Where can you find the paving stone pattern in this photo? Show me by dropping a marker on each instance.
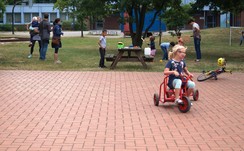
(107, 111)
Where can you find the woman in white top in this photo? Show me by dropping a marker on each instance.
(197, 39)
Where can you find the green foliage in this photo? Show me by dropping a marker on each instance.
(82, 10)
(137, 10)
(176, 17)
(44, 1)
(82, 54)
(2, 8)
(8, 27)
(233, 6)
(8, 2)
(5, 27)
(67, 25)
(20, 27)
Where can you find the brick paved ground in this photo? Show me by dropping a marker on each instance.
(95, 111)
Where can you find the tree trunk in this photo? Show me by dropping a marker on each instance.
(138, 19)
(82, 28)
(152, 22)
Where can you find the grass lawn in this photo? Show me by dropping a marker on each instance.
(81, 54)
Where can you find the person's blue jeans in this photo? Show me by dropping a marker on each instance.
(165, 52)
(44, 46)
(197, 44)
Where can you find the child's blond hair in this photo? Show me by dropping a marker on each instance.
(174, 50)
(34, 18)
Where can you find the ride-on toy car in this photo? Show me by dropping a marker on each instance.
(169, 94)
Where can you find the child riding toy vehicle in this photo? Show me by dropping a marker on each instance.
(169, 94)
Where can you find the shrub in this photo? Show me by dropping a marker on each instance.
(20, 27)
(8, 27)
(5, 27)
(67, 25)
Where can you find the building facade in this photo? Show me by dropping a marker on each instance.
(23, 13)
(209, 19)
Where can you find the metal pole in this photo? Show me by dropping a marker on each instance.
(13, 17)
(15, 3)
(230, 37)
(160, 29)
(73, 20)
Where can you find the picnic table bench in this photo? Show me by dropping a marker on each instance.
(128, 58)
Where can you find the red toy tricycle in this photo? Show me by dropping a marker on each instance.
(169, 96)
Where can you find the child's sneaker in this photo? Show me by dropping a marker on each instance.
(29, 56)
(178, 101)
(58, 62)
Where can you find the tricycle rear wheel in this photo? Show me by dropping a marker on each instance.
(195, 95)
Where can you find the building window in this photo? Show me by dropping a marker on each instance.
(99, 24)
(52, 17)
(8, 18)
(63, 16)
(27, 17)
(35, 14)
(17, 18)
(1, 19)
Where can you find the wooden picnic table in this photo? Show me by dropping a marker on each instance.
(128, 58)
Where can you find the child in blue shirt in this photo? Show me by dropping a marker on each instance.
(175, 67)
(152, 45)
(102, 48)
(34, 29)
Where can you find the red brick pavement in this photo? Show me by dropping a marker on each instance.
(94, 111)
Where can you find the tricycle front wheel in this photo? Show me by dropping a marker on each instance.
(186, 106)
(156, 99)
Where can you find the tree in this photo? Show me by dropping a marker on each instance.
(176, 17)
(45, 1)
(137, 10)
(2, 8)
(83, 9)
(233, 6)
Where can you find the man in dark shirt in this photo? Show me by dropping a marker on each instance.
(45, 29)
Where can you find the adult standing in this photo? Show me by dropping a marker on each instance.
(34, 35)
(57, 32)
(45, 29)
(197, 38)
(102, 48)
